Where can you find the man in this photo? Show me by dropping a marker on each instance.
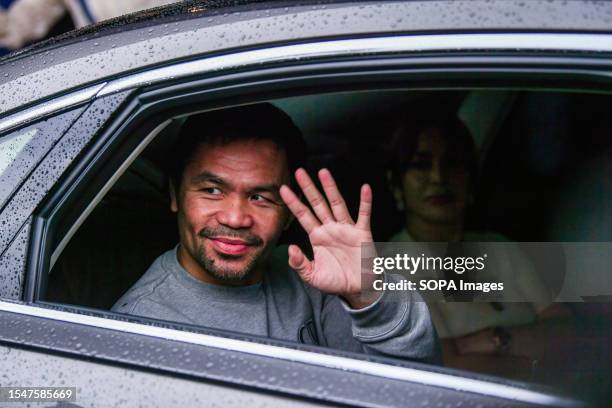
(230, 190)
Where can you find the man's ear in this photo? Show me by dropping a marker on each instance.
(173, 198)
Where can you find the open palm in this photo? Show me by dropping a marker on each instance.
(335, 238)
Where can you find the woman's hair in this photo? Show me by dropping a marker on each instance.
(405, 139)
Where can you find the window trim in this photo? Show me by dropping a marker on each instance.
(368, 46)
(53, 106)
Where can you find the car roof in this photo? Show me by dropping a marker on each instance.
(191, 29)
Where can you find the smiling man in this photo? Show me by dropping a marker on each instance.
(230, 189)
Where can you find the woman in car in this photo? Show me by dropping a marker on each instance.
(432, 175)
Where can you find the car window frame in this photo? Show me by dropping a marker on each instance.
(395, 77)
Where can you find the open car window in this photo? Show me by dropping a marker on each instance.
(130, 228)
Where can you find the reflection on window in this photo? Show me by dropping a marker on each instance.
(12, 146)
(21, 151)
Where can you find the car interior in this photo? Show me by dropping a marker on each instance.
(544, 176)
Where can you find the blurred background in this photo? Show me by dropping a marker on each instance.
(23, 22)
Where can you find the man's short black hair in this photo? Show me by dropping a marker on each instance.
(405, 139)
(262, 121)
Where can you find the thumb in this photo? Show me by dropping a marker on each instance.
(301, 264)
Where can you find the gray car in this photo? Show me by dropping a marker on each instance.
(87, 120)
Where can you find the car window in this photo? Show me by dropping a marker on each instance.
(420, 160)
(21, 150)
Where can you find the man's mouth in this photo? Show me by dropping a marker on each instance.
(230, 246)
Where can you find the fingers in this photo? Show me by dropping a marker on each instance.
(336, 201)
(314, 197)
(365, 208)
(303, 214)
(339, 211)
(301, 264)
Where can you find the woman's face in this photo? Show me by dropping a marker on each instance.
(435, 185)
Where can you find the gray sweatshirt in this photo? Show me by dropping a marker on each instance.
(283, 307)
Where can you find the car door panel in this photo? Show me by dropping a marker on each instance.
(103, 385)
(249, 364)
(20, 208)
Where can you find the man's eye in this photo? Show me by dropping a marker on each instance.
(257, 197)
(261, 199)
(212, 190)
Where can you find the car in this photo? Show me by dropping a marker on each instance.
(87, 121)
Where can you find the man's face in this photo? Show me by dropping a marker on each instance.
(435, 186)
(230, 213)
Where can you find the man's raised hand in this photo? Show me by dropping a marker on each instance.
(335, 238)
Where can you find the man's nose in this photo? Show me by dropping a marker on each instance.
(439, 172)
(235, 214)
